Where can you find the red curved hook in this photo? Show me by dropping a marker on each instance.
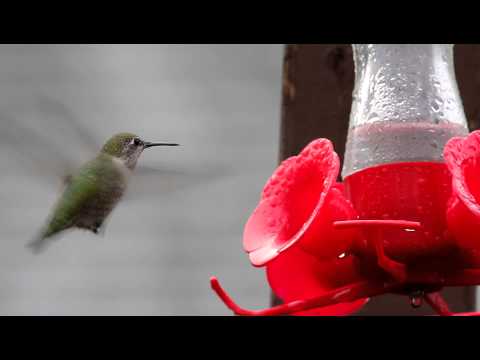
(362, 289)
(347, 293)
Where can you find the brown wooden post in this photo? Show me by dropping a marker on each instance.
(317, 96)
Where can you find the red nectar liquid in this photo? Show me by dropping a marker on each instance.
(405, 190)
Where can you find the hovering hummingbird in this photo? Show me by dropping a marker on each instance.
(92, 192)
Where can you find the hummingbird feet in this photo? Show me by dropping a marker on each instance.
(98, 228)
(95, 227)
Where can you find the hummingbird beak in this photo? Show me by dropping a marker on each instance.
(147, 144)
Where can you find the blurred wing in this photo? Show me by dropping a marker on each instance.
(26, 151)
(164, 180)
(43, 139)
(67, 123)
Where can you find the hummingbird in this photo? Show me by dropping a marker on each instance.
(91, 193)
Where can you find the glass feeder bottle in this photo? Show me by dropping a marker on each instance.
(405, 107)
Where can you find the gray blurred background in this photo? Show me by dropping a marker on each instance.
(183, 218)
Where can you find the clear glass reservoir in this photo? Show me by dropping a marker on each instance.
(406, 105)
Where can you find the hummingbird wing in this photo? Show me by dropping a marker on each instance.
(168, 179)
(44, 138)
(30, 151)
(80, 136)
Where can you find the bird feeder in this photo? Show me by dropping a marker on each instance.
(406, 217)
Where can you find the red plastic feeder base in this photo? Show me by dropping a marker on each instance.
(400, 228)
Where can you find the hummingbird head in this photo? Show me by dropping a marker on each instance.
(128, 147)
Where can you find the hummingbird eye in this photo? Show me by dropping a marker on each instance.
(137, 142)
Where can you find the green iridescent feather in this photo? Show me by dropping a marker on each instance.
(88, 198)
(115, 145)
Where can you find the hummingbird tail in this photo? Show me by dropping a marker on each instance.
(38, 245)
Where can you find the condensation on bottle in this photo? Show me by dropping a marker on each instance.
(406, 105)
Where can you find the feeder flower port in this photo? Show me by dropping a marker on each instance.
(406, 217)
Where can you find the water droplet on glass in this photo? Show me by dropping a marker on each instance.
(373, 117)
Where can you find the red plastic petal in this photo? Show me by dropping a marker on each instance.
(463, 214)
(298, 275)
(300, 201)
